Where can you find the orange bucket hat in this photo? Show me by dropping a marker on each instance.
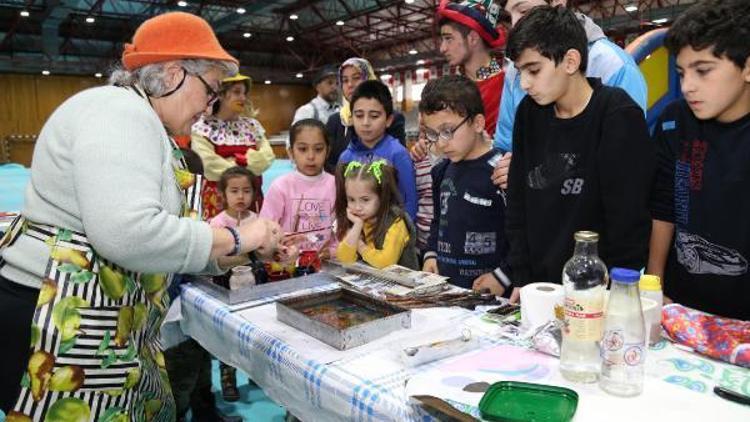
(172, 36)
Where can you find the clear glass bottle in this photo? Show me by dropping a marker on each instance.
(623, 346)
(585, 281)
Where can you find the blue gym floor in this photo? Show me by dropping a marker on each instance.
(253, 405)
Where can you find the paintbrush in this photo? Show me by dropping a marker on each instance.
(290, 234)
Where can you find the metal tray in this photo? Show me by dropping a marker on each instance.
(383, 318)
(262, 291)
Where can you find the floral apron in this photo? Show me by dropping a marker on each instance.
(95, 351)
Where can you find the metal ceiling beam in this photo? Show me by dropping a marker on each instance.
(230, 20)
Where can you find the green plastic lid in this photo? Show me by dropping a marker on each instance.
(511, 401)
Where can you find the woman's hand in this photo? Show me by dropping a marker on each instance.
(262, 236)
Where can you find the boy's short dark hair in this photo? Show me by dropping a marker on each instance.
(374, 90)
(551, 31)
(723, 25)
(452, 92)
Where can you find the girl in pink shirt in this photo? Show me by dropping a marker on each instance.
(303, 200)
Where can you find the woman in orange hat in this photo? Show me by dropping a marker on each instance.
(230, 136)
(106, 222)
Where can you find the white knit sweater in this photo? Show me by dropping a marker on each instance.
(102, 166)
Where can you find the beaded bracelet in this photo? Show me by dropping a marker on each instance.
(237, 242)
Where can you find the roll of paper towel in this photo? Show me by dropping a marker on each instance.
(538, 302)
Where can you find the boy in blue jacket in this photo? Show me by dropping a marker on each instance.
(372, 113)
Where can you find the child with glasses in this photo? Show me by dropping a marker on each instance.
(467, 235)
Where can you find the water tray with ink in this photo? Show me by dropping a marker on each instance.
(342, 318)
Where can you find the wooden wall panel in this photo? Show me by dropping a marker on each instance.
(26, 101)
(277, 104)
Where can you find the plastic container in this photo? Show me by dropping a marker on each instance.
(650, 286)
(623, 347)
(584, 280)
(512, 401)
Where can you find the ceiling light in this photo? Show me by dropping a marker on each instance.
(45, 72)
(267, 82)
(293, 17)
(660, 21)
(420, 62)
(90, 19)
(290, 38)
(299, 76)
(97, 75)
(247, 35)
(24, 13)
(408, 1)
(241, 10)
(413, 52)
(631, 8)
(339, 23)
(182, 3)
(385, 76)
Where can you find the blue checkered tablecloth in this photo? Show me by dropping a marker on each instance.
(365, 388)
(313, 390)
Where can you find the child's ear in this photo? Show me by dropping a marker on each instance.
(746, 70)
(389, 120)
(478, 123)
(572, 61)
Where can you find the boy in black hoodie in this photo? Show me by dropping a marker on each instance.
(582, 156)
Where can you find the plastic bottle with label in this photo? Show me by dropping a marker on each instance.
(623, 347)
(650, 286)
(584, 280)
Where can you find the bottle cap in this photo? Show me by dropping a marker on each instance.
(650, 282)
(624, 275)
(586, 236)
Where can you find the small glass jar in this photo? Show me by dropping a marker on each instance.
(242, 276)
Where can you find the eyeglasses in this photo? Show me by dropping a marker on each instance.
(210, 91)
(444, 135)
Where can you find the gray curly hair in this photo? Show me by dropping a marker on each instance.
(151, 77)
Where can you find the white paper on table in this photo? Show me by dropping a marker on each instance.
(659, 400)
(431, 324)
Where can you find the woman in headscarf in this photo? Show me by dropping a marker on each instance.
(353, 72)
(231, 136)
(106, 221)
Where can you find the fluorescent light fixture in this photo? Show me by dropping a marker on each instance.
(90, 19)
(660, 21)
(631, 8)
(299, 76)
(267, 82)
(247, 35)
(45, 72)
(241, 10)
(413, 52)
(293, 17)
(339, 23)
(408, 1)
(290, 38)
(97, 75)
(420, 62)
(24, 13)
(182, 3)
(385, 76)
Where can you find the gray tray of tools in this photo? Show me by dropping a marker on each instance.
(262, 291)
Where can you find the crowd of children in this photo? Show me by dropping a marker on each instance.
(572, 112)
(570, 105)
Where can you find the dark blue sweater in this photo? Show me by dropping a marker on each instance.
(467, 235)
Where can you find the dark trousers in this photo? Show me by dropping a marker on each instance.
(17, 306)
(189, 370)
